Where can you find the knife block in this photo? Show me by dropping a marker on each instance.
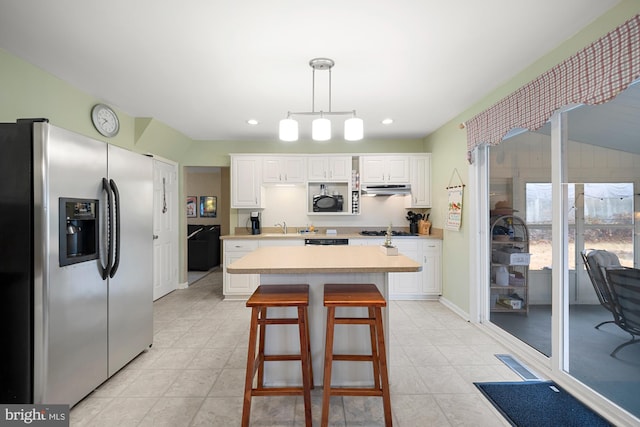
(424, 227)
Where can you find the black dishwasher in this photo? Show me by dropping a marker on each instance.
(326, 242)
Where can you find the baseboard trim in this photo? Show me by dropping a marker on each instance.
(455, 309)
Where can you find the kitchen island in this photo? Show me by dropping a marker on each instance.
(317, 265)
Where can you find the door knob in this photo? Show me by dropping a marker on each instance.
(155, 237)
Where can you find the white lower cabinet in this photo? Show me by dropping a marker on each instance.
(281, 242)
(425, 284)
(241, 286)
(365, 241)
(407, 285)
(238, 286)
(432, 267)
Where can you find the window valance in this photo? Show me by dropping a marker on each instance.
(594, 75)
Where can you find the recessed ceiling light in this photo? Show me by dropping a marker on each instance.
(387, 121)
(252, 122)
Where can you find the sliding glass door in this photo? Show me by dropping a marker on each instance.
(519, 173)
(603, 156)
(574, 183)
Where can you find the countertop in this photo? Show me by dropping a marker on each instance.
(436, 234)
(321, 259)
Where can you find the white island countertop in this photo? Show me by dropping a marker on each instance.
(321, 259)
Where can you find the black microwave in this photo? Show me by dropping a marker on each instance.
(327, 203)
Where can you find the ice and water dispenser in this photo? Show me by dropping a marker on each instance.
(78, 230)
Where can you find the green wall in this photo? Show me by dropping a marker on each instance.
(448, 145)
(28, 92)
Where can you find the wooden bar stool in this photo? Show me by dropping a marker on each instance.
(356, 295)
(268, 296)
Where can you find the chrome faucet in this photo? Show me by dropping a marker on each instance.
(282, 226)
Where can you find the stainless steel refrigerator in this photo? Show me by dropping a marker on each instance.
(76, 261)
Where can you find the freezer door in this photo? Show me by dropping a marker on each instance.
(131, 287)
(70, 343)
(16, 275)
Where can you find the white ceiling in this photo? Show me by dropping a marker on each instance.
(204, 67)
(614, 124)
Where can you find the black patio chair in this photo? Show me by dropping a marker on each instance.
(595, 262)
(625, 293)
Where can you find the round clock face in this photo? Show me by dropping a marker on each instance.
(105, 120)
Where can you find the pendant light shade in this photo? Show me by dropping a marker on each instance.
(321, 129)
(353, 129)
(288, 130)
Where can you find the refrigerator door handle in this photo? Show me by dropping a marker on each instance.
(116, 205)
(105, 270)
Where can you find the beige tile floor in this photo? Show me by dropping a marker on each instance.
(193, 375)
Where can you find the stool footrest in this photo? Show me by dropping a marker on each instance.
(353, 357)
(281, 357)
(354, 391)
(279, 321)
(354, 321)
(277, 391)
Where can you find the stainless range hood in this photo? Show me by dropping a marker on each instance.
(386, 190)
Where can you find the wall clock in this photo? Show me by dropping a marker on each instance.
(105, 120)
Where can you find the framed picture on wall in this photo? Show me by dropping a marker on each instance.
(208, 206)
(192, 207)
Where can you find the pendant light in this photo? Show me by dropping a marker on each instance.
(353, 128)
(321, 127)
(288, 129)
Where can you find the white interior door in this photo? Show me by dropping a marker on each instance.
(165, 227)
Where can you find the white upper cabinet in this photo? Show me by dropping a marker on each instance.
(420, 182)
(246, 182)
(384, 169)
(329, 168)
(252, 174)
(284, 169)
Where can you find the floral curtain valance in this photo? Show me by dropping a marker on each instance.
(594, 75)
